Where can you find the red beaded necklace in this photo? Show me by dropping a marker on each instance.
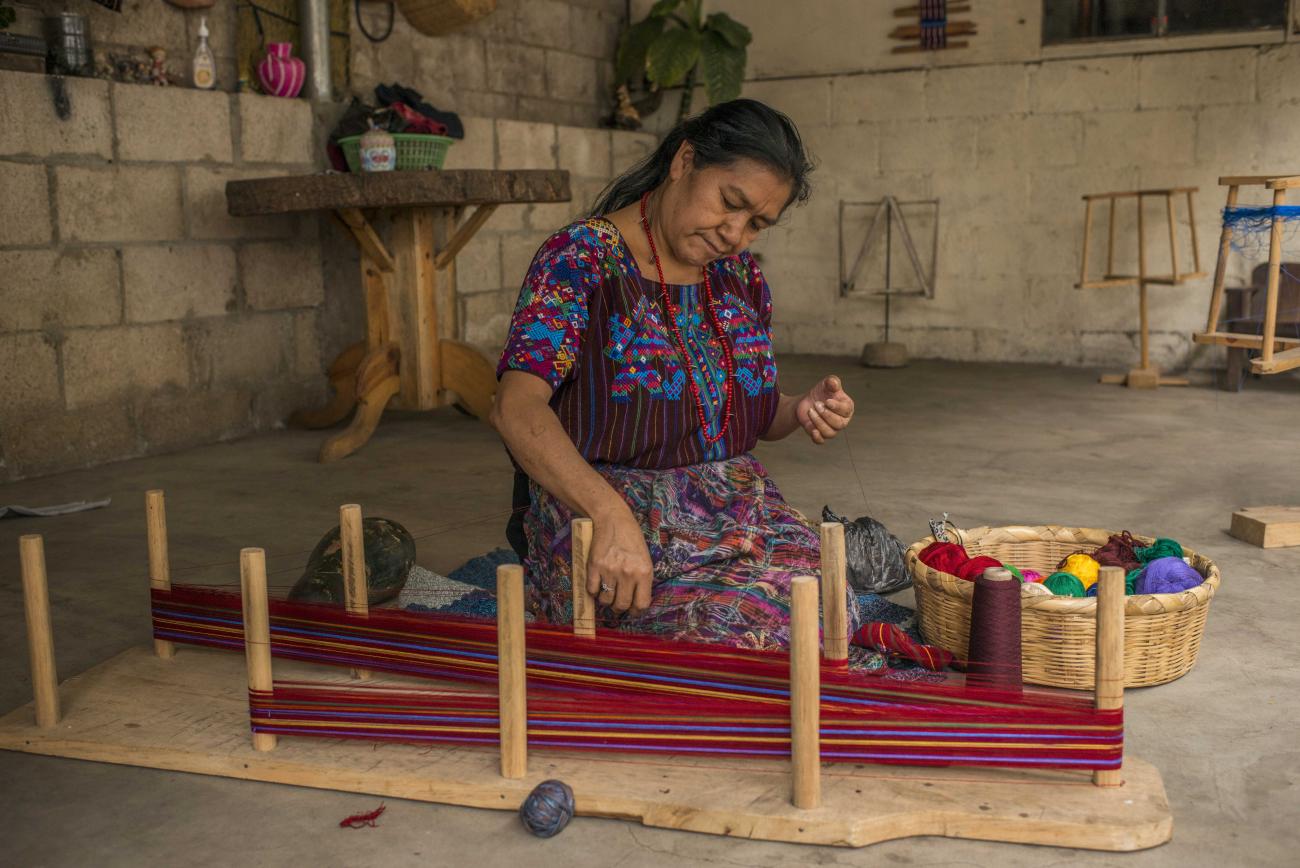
(670, 313)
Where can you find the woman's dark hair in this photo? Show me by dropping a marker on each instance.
(720, 135)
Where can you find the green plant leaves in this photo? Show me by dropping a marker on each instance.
(672, 56)
(736, 34)
(631, 62)
(723, 65)
(663, 8)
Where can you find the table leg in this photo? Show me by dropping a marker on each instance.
(470, 376)
(463, 369)
(343, 379)
(376, 383)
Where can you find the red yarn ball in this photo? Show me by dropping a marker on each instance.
(975, 567)
(945, 557)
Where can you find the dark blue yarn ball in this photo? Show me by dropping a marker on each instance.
(548, 808)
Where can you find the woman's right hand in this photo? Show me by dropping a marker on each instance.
(619, 570)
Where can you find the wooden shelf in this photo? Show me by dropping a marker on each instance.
(1128, 194)
(1272, 182)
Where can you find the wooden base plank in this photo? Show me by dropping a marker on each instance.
(1242, 340)
(1268, 527)
(1142, 378)
(1284, 361)
(190, 714)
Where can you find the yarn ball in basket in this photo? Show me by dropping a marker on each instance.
(1033, 576)
(1118, 552)
(1168, 575)
(975, 567)
(1064, 584)
(1014, 571)
(1161, 548)
(1083, 567)
(945, 557)
(548, 808)
(1034, 589)
(1130, 581)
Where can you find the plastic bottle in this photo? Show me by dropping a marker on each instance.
(205, 68)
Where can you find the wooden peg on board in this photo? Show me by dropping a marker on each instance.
(155, 511)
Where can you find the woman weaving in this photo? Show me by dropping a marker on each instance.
(638, 375)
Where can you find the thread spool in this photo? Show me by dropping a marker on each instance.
(993, 661)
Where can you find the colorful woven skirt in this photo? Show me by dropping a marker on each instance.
(724, 543)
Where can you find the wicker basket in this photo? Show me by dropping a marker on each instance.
(415, 151)
(1162, 632)
(440, 17)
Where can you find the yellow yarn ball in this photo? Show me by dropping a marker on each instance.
(1083, 566)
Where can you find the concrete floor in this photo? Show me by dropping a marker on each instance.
(988, 444)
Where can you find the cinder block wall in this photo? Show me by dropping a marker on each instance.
(535, 60)
(1008, 136)
(143, 24)
(135, 315)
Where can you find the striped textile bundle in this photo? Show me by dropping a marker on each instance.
(723, 729)
(658, 688)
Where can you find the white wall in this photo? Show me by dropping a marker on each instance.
(1008, 136)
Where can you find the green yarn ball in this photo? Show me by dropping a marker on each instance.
(1015, 572)
(1161, 548)
(1064, 585)
(1130, 580)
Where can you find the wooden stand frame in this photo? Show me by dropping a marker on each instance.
(805, 800)
(1276, 354)
(1144, 376)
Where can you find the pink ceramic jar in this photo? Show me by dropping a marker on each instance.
(280, 72)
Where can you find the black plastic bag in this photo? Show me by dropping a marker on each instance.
(873, 555)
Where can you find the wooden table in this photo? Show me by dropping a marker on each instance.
(411, 355)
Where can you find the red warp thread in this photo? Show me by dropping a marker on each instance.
(659, 692)
(360, 821)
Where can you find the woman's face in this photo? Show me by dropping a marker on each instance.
(718, 211)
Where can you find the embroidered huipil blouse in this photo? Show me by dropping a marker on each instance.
(592, 326)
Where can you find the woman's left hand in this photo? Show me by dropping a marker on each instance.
(825, 410)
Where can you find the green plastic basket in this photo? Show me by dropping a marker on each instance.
(415, 151)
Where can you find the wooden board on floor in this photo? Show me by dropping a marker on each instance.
(1268, 527)
(190, 714)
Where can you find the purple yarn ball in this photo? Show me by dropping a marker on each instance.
(1167, 576)
(548, 808)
